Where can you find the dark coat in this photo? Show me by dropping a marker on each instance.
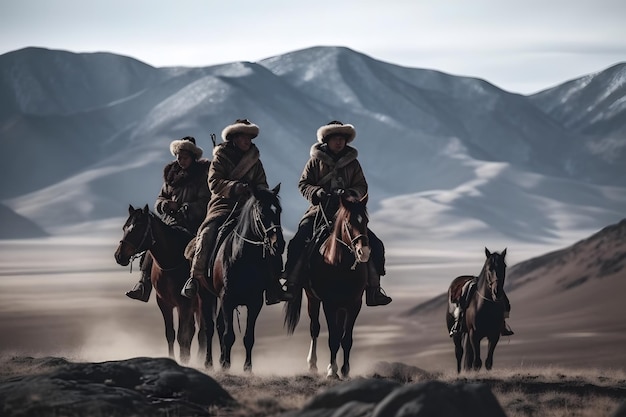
(189, 188)
(229, 167)
(322, 171)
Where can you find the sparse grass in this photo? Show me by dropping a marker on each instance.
(529, 392)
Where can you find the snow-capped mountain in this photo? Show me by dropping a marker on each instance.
(444, 156)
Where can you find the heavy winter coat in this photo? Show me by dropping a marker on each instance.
(324, 171)
(189, 188)
(229, 167)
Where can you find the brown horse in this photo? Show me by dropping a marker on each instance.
(244, 265)
(481, 299)
(144, 231)
(336, 278)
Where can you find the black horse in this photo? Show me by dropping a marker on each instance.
(244, 265)
(337, 277)
(144, 231)
(484, 309)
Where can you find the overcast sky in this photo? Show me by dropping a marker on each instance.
(521, 46)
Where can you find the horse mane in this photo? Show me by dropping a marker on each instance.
(246, 225)
(179, 233)
(332, 250)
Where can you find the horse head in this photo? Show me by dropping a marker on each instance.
(350, 231)
(259, 222)
(137, 235)
(495, 273)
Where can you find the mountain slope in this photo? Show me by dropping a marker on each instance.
(475, 154)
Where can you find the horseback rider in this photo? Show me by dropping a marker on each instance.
(236, 170)
(333, 169)
(181, 202)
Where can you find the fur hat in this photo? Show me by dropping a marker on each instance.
(336, 128)
(188, 143)
(240, 126)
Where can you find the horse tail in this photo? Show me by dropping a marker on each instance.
(292, 312)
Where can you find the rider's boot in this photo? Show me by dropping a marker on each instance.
(506, 329)
(199, 265)
(142, 289)
(274, 292)
(374, 294)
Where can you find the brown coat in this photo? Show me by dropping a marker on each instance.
(187, 187)
(322, 171)
(229, 167)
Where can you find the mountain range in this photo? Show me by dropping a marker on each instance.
(445, 156)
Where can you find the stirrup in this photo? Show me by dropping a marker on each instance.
(506, 330)
(376, 297)
(190, 289)
(139, 292)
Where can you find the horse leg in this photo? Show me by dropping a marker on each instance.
(248, 338)
(458, 350)
(168, 319)
(228, 339)
(346, 341)
(221, 328)
(186, 330)
(334, 340)
(207, 307)
(202, 343)
(314, 330)
(477, 363)
(469, 352)
(493, 341)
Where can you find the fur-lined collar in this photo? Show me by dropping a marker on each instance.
(318, 152)
(175, 176)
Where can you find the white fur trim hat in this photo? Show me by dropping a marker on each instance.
(336, 128)
(240, 126)
(188, 143)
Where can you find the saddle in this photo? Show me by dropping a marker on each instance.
(462, 290)
(223, 231)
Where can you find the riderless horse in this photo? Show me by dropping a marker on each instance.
(144, 231)
(481, 299)
(336, 279)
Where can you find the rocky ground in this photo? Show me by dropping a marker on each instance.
(160, 387)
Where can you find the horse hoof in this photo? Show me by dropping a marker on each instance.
(332, 375)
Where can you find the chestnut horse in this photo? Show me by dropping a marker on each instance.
(336, 279)
(144, 231)
(244, 265)
(484, 306)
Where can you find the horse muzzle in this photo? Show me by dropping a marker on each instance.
(121, 257)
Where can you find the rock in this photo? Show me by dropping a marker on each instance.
(133, 387)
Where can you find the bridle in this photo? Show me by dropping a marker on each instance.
(263, 232)
(490, 283)
(147, 235)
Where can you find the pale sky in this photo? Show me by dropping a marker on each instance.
(520, 46)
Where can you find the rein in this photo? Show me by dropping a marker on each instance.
(262, 231)
(139, 250)
(490, 282)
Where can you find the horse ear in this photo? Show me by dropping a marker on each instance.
(146, 209)
(130, 209)
(276, 189)
(504, 253)
(487, 253)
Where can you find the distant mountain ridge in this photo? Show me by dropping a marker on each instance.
(92, 131)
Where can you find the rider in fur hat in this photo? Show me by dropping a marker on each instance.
(182, 201)
(235, 170)
(333, 169)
